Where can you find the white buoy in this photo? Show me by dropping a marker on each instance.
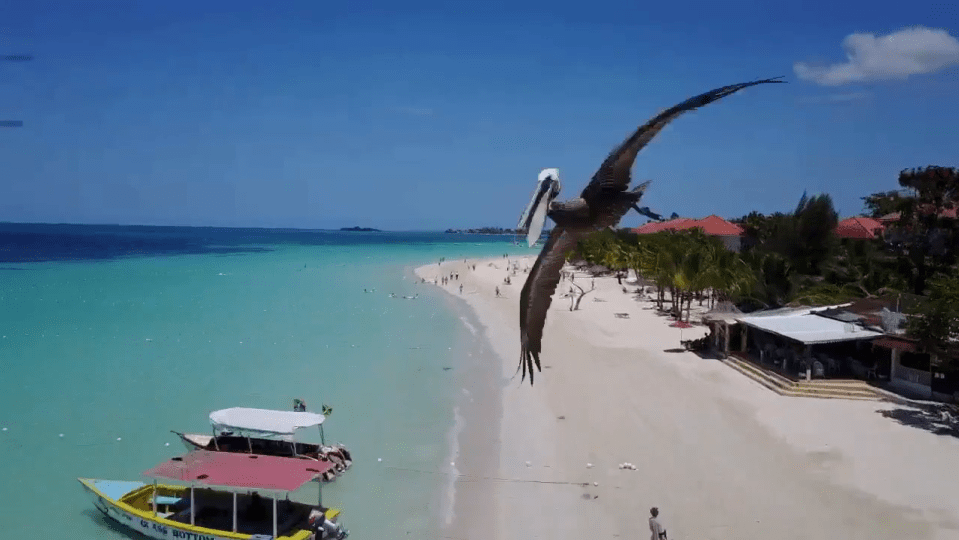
(119, 438)
(452, 464)
(379, 459)
(166, 444)
(61, 434)
(4, 429)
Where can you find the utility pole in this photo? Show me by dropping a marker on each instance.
(14, 58)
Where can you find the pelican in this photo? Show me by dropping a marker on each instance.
(603, 202)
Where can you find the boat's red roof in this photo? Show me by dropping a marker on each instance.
(225, 469)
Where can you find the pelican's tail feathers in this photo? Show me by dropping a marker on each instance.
(526, 360)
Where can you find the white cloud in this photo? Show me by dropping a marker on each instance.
(912, 51)
(834, 98)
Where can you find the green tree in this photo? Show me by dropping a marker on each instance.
(814, 240)
(925, 236)
(935, 319)
(883, 203)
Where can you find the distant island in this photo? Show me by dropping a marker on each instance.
(360, 229)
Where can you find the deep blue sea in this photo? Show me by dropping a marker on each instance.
(111, 336)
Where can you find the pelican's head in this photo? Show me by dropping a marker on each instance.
(534, 217)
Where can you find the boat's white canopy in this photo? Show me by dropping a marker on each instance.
(263, 422)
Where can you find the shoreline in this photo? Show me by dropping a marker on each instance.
(720, 455)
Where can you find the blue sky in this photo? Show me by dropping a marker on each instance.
(428, 115)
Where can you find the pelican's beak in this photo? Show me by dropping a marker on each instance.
(534, 217)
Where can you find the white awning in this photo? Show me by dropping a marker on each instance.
(809, 328)
(263, 422)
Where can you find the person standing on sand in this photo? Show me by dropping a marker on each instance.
(657, 532)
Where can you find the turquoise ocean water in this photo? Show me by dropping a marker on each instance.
(114, 336)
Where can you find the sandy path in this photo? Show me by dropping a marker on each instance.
(721, 456)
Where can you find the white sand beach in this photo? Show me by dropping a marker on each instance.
(721, 456)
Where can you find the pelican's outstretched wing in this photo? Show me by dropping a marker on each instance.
(614, 174)
(537, 295)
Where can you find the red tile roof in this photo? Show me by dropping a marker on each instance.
(711, 225)
(946, 213)
(858, 227)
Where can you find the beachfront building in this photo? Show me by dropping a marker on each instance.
(802, 341)
(916, 373)
(730, 233)
(864, 339)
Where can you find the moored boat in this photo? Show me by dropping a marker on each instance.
(269, 433)
(221, 500)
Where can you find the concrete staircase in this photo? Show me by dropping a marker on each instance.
(827, 389)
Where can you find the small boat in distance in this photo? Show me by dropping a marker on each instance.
(221, 500)
(267, 432)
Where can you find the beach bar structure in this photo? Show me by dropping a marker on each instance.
(803, 327)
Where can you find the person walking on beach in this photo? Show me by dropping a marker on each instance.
(657, 532)
(461, 288)
(497, 292)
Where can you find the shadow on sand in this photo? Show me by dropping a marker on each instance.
(941, 420)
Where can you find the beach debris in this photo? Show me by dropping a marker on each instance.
(595, 483)
(447, 368)
(452, 463)
(628, 466)
(529, 464)
(561, 418)
(589, 465)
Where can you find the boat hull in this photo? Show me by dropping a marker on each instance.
(154, 526)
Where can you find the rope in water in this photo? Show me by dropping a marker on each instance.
(475, 478)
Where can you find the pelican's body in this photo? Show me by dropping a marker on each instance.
(602, 204)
